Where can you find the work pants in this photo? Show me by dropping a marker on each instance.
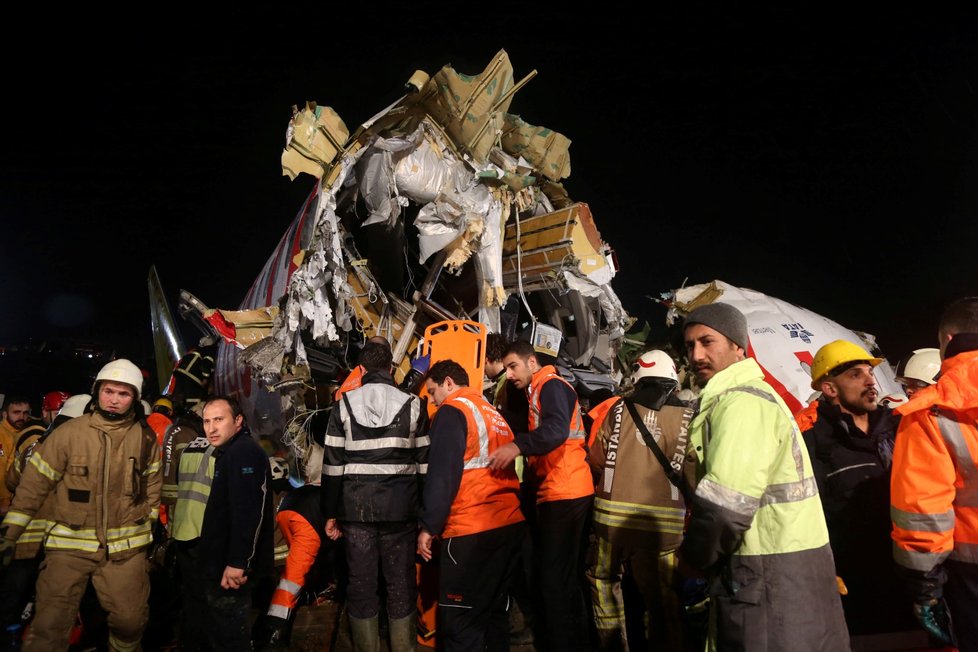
(228, 613)
(961, 592)
(194, 623)
(473, 583)
(391, 546)
(559, 570)
(122, 587)
(16, 586)
(653, 574)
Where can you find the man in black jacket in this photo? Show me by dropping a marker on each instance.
(236, 538)
(375, 457)
(851, 447)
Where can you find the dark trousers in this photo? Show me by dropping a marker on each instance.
(16, 587)
(192, 633)
(559, 569)
(961, 592)
(391, 547)
(228, 613)
(473, 583)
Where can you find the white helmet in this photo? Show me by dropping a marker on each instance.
(75, 405)
(922, 365)
(280, 468)
(654, 364)
(121, 371)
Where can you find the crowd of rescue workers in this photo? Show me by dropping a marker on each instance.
(514, 512)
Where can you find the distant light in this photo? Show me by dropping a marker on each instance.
(89, 355)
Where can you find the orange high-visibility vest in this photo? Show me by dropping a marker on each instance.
(563, 473)
(597, 414)
(486, 499)
(934, 487)
(352, 381)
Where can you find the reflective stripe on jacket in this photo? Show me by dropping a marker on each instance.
(105, 478)
(757, 525)
(486, 499)
(195, 474)
(635, 504)
(563, 473)
(934, 484)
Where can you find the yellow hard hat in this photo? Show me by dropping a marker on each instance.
(838, 352)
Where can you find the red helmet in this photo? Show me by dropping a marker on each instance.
(54, 400)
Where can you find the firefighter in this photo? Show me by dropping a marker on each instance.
(104, 470)
(933, 506)
(918, 370)
(17, 580)
(639, 504)
(474, 511)
(51, 405)
(756, 528)
(558, 472)
(16, 417)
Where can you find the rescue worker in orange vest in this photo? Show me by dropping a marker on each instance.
(475, 511)
(161, 418)
(300, 520)
(601, 402)
(558, 470)
(355, 378)
(104, 470)
(934, 486)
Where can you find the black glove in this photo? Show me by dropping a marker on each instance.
(7, 547)
(934, 618)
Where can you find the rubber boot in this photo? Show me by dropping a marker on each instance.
(365, 633)
(403, 634)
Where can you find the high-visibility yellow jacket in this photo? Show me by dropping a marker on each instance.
(757, 525)
(105, 477)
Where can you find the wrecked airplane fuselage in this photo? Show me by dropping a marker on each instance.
(442, 206)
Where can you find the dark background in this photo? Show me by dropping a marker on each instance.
(823, 155)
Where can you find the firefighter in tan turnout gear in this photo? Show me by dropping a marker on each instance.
(640, 462)
(103, 469)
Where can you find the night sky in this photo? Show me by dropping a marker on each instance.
(825, 158)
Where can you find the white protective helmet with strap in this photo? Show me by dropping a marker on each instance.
(654, 364)
(922, 365)
(120, 371)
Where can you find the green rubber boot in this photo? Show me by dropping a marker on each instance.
(404, 635)
(365, 633)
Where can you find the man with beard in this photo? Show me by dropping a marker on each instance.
(553, 442)
(757, 529)
(103, 469)
(851, 447)
(16, 414)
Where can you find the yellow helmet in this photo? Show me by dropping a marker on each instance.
(838, 352)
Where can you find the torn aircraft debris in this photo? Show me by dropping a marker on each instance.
(442, 206)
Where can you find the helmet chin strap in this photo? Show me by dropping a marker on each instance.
(113, 416)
